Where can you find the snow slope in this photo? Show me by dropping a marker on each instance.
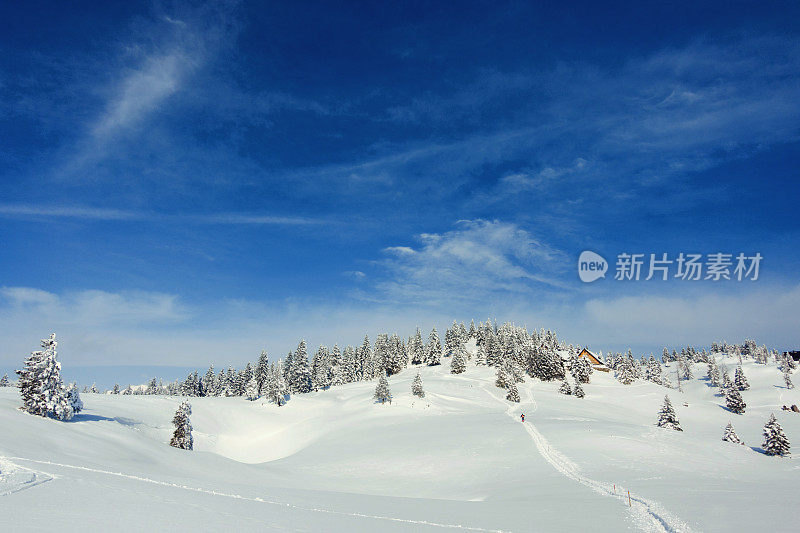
(459, 459)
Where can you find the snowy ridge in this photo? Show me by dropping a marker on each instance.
(648, 515)
(229, 495)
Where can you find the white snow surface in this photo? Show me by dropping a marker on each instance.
(459, 459)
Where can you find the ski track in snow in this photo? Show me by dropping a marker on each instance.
(14, 478)
(235, 496)
(647, 514)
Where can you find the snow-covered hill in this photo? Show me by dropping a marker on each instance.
(460, 458)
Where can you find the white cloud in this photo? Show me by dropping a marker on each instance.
(479, 259)
(766, 315)
(99, 213)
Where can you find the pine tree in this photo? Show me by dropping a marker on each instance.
(382, 392)
(40, 384)
(210, 382)
(458, 363)
(775, 441)
(416, 348)
(578, 390)
(182, 437)
(713, 373)
(730, 435)
(653, 371)
(740, 381)
(513, 393)
(74, 398)
(565, 388)
(734, 401)
(433, 351)
(275, 386)
(667, 417)
(787, 379)
(262, 371)
(504, 378)
(4, 381)
(581, 370)
(416, 387)
(300, 372)
(626, 373)
(251, 391)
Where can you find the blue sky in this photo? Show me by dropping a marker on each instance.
(186, 183)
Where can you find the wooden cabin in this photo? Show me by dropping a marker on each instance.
(597, 364)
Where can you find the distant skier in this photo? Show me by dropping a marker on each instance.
(522, 416)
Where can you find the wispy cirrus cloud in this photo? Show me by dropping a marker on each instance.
(479, 260)
(99, 213)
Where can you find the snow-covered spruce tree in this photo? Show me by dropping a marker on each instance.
(565, 388)
(787, 379)
(654, 371)
(182, 437)
(300, 372)
(775, 441)
(74, 398)
(713, 373)
(458, 362)
(40, 384)
(578, 390)
(734, 401)
(513, 394)
(726, 381)
(504, 378)
(433, 351)
(685, 369)
(416, 387)
(480, 356)
(582, 370)
(740, 381)
(416, 348)
(251, 391)
(4, 381)
(667, 417)
(349, 365)
(626, 373)
(115, 390)
(382, 392)
(261, 372)
(730, 435)
(275, 386)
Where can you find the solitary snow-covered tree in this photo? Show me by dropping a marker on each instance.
(382, 392)
(775, 441)
(734, 401)
(416, 387)
(40, 384)
(787, 379)
(730, 435)
(667, 417)
(182, 437)
(578, 390)
(4, 381)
